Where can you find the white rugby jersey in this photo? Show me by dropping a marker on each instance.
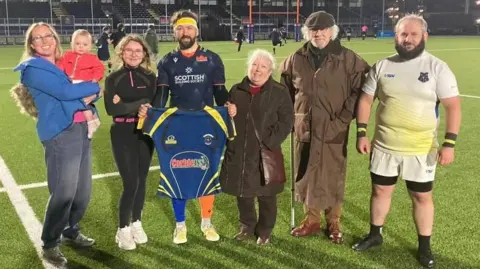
(407, 116)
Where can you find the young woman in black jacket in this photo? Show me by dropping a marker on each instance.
(126, 89)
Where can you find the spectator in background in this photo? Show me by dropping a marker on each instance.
(102, 47)
(364, 31)
(240, 38)
(275, 37)
(348, 31)
(151, 38)
(117, 36)
(47, 94)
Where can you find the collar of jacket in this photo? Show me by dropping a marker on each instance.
(333, 48)
(245, 85)
(39, 62)
(138, 68)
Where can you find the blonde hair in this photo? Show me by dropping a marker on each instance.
(19, 92)
(80, 32)
(146, 63)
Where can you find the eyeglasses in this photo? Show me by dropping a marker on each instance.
(131, 52)
(39, 39)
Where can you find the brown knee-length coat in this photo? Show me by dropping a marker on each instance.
(272, 113)
(324, 106)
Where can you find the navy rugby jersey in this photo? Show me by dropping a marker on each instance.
(190, 81)
(190, 147)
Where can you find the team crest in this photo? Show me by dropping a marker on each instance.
(423, 77)
(208, 139)
(171, 140)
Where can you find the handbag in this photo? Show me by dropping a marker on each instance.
(272, 163)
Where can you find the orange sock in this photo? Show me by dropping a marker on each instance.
(206, 205)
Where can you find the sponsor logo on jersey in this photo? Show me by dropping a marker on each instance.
(201, 58)
(187, 79)
(201, 163)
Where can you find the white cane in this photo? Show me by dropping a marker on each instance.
(292, 182)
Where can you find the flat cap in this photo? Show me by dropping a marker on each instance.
(320, 20)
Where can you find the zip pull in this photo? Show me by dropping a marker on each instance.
(131, 78)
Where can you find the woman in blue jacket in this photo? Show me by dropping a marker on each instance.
(47, 94)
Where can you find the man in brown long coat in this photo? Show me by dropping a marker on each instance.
(325, 80)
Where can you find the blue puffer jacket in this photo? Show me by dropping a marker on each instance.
(55, 97)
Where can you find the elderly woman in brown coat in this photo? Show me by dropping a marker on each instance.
(265, 105)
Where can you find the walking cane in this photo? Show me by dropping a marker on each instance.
(292, 182)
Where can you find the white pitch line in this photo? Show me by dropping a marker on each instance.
(24, 211)
(98, 176)
(470, 96)
(360, 53)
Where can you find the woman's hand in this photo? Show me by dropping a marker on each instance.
(142, 111)
(87, 100)
(232, 109)
(116, 99)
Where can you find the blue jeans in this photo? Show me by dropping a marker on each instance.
(69, 171)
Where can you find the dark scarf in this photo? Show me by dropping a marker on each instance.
(317, 56)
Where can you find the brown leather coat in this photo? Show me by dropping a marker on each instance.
(324, 106)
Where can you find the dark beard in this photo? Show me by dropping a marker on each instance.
(408, 55)
(186, 45)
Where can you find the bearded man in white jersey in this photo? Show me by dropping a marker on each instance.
(410, 86)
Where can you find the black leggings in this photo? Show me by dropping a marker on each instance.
(132, 151)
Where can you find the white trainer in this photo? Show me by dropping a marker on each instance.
(139, 235)
(180, 235)
(124, 238)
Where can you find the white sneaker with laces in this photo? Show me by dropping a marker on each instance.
(210, 233)
(180, 235)
(139, 235)
(124, 238)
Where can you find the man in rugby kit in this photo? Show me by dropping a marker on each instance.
(192, 76)
(410, 86)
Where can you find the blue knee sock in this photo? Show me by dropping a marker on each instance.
(179, 209)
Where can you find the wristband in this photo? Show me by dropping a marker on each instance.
(361, 130)
(450, 139)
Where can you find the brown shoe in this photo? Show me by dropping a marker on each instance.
(262, 241)
(307, 228)
(334, 233)
(243, 236)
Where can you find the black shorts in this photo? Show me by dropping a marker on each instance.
(276, 42)
(103, 55)
(411, 185)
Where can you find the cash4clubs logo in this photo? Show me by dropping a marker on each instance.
(190, 159)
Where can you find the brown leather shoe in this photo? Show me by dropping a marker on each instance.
(333, 232)
(262, 241)
(307, 228)
(242, 236)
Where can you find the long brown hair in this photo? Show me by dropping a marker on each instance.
(19, 92)
(146, 62)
